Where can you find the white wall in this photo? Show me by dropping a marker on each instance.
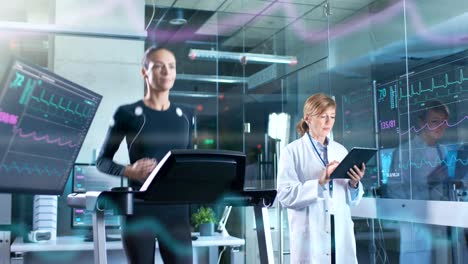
(108, 66)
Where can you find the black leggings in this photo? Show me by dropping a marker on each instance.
(169, 224)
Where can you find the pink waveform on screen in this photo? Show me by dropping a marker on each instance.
(426, 126)
(46, 138)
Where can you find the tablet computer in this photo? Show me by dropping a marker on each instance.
(355, 157)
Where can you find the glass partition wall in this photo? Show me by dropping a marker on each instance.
(397, 70)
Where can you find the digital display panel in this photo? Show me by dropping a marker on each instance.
(44, 120)
(86, 177)
(421, 119)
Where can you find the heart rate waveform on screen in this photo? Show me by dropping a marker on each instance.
(67, 107)
(420, 163)
(44, 120)
(32, 169)
(38, 172)
(401, 101)
(59, 141)
(426, 126)
(447, 82)
(449, 86)
(48, 104)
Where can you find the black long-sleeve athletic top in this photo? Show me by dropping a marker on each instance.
(148, 133)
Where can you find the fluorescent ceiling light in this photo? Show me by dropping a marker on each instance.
(193, 94)
(242, 57)
(210, 78)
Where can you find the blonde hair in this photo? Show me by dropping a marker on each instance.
(314, 105)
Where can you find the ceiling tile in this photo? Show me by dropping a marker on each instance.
(307, 31)
(245, 6)
(309, 24)
(224, 23)
(271, 22)
(337, 15)
(305, 2)
(258, 33)
(351, 4)
(233, 42)
(214, 29)
(207, 5)
(251, 36)
(240, 42)
(225, 18)
(287, 10)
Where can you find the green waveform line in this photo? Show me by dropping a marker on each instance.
(46, 114)
(433, 86)
(50, 102)
(436, 162)
(30, 169)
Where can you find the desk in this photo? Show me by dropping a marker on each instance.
(76, 244)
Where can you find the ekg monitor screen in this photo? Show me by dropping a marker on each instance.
(44, 120)
(86, 177)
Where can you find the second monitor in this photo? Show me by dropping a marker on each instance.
(86, 177)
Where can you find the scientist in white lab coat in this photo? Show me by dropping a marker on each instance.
(305, 189)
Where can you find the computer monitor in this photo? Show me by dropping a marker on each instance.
(86, 177)
(44, 120)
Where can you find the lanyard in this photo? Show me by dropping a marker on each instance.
(330, 185)
(316, 151)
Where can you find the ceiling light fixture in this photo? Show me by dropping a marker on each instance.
(210, 78)
(179, 19)
(193, 94)
(244, 58)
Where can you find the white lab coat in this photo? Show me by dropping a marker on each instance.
(309, 205)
